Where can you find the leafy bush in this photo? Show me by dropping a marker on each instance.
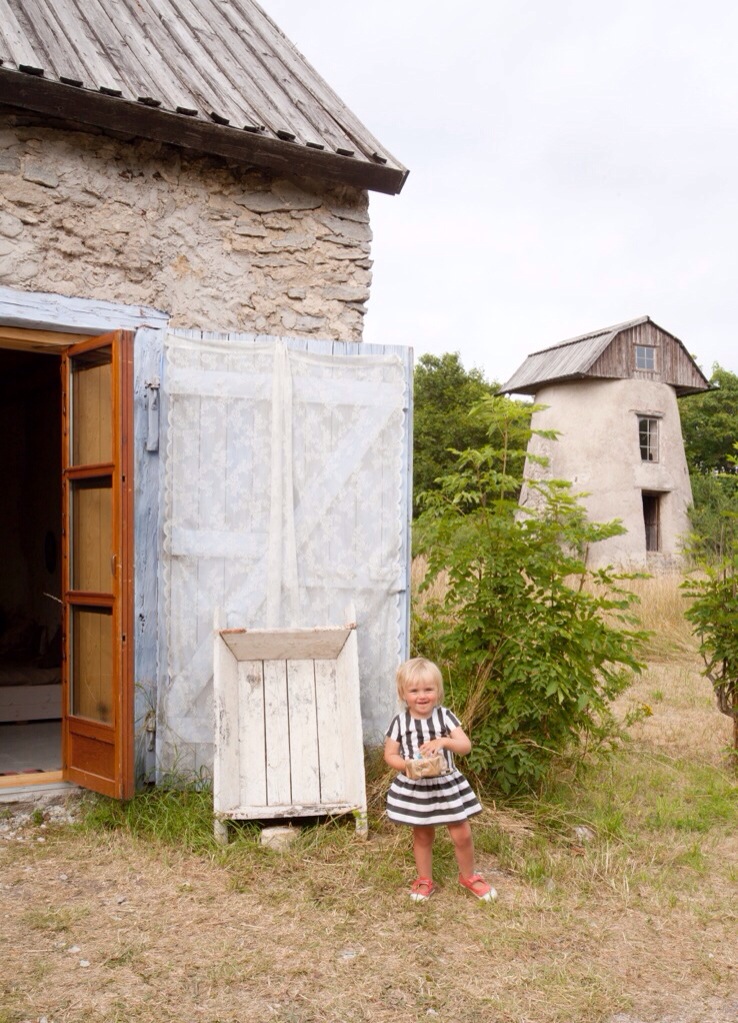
(714, 527)
(534, 645)
(713, 612)
(710, 428)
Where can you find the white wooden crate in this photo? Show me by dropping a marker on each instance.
(288, 737)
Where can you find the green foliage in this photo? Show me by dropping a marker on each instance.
(713, 594)
(534, 645)
(713, 524)
(713, 612)
(710, 428)
(710, 425)
(444, 393)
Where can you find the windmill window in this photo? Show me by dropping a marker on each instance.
(648, 438)
(646, 358)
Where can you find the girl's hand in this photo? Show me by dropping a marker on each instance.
(432, 746)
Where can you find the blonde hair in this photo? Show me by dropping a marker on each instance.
(415, 669)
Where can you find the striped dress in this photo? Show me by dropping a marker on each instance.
(446, 799)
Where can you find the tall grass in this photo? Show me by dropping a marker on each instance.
(181, 817)
(661, 607)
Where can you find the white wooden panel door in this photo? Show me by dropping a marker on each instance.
(286, 493)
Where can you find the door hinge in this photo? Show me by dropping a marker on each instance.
(152, 414)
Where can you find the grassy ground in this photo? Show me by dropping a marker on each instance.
(617, 902)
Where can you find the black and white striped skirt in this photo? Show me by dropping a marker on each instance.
(443, 800)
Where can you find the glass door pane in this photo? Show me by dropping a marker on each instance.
(92, 407)
(91, 667)
(92, 535)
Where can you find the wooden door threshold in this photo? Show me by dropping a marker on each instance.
(23, 779)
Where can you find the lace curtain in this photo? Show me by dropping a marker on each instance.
(284, 505)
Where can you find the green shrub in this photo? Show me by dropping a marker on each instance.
(534, 645)
(712, 520)
(713, 612)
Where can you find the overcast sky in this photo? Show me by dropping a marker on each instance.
(573, 164)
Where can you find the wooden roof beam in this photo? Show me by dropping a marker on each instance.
(70, 102)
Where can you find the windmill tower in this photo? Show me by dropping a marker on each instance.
(612, 396)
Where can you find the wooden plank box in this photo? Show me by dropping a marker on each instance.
(288, 737)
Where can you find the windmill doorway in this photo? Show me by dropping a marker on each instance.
(652, 520)
(30, 580)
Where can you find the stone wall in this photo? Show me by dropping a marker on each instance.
(217, 246)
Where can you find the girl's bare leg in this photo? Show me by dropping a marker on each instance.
(461, 836)
(423, 836)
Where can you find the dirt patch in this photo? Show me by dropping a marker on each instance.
(107, 927)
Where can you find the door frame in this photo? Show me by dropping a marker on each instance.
(60, 320)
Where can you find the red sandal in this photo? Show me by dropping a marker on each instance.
(478, 887)
(421, 889)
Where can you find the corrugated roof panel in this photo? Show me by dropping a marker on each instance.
(222, 61)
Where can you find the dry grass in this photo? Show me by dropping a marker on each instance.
(631, 921)
(436, 591)
(143, 932)
(681, 719)
(661, 606)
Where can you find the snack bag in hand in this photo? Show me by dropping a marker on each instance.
(426, 767)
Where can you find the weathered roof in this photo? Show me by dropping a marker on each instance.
(575, 358)
(213, 75)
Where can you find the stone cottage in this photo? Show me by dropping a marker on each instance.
(612, 396)
(191, 426)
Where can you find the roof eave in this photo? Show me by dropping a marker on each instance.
(533, 387)
(685, 391)
(506, 389)
(86, 106)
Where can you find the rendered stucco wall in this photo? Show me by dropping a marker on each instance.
(216, 246)
(598, 452)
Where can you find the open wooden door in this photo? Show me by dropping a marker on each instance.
(97, 551)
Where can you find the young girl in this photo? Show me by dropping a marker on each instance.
(428, 728)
